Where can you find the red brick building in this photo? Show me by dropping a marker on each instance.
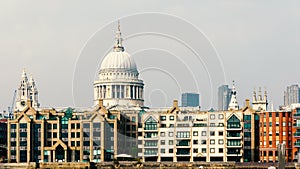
(275, 127)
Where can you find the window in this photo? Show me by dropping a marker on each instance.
(221, 141)
(277, 114)
(171, 142)
(183, 134)
(220, 133)
(163, 125)
(171, 125)
(171, 150)
(133, 119)
(270, 114)
(171, 118)
(203, 150)
(270, 143)
(212, 150)
(212, 116)
(203, 142)
(171, 134)
(72, 126)
(195, 133)
(162, 142)
(195, 141)
(221, 116)
(195, 150)
(162, 134)
(163, 118)
(212, 133)
(162, 151)
(233, 122)
(283, 124)
(270, 124)
(220, 150)
(203, 133)
(212, 141)
(284, 133)
(150, 124)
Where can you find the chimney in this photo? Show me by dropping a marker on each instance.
(175, 103)
(247, 103)
(29, 103)
(100, 102)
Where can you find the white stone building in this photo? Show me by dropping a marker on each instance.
(118, 82)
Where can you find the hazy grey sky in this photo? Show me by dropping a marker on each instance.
(258, 43)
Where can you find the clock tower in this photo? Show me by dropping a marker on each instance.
(26, 91)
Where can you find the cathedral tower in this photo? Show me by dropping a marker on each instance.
(118, 82)
(260, 103)
(27, 90)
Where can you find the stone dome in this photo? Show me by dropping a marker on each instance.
(118, 61)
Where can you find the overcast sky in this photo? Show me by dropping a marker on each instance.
(255, 43)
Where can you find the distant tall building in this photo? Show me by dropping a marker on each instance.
(190, 99)
(291, 95)
(224, 96)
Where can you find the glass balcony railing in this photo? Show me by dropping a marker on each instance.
(297, 114)
(296, 125)
(297, 134)
(297, 144)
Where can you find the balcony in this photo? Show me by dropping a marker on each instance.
(183, 152)
(183, 143)
(297, 115)
(297, 144)
(297, 134)
(233, 136)
(234, 145)
(296, 125)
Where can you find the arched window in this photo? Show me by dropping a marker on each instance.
(150, 124)
(233, 122)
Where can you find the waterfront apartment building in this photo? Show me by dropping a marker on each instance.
(70, 135)
(183, 134)
(275, 128)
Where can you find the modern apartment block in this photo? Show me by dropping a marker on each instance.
(182, 134)
(275, 128)
(70, 135)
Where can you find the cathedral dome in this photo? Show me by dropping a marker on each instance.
(119, 61)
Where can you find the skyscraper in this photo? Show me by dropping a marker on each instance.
(291, 95)
(224, 96)
(190, 99)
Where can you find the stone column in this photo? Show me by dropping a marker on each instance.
(8, 141)
(133, 92)
(53, 152)
(81, 141)
(102, 141)
(49, 156)
(42, 139)
(73, 155)
(18, 143)
(91, 142)
(66, 160)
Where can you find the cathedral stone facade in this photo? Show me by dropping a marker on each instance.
(118, 82)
